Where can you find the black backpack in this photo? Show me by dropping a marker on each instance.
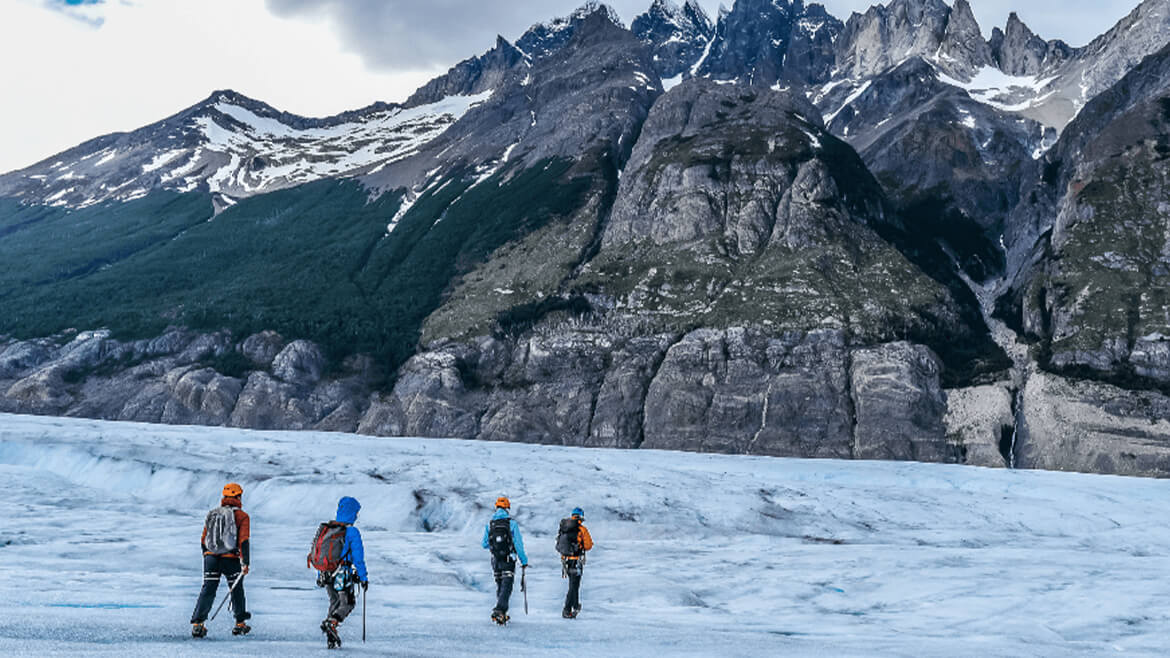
(569, 538)
(500, 538)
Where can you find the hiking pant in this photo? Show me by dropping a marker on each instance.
(573, 569)
(505, 573)
(341, 603)
(215, 566)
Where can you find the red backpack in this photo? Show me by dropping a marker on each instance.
(325, 554)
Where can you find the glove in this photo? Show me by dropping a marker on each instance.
(365, 585)
(523, 566)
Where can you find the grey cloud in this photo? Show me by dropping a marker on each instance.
(406, 35)
(415, 35)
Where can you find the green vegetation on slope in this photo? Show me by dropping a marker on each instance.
(309, 262)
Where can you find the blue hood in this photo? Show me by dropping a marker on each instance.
(500, 513)
(347, 509)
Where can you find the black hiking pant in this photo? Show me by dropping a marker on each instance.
(574, 570)
(215, 566)
(340, 603)
(505, 573)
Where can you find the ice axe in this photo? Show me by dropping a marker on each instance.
(365, 595)
(524, 585)
(228, 595)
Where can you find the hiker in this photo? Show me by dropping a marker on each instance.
(572, 541)
(226, 545)
(502, 537)
(340, 560)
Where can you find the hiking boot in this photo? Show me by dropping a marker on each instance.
(567, 613)
(198, 630)
(332, 639)
(500, 617)
(241, 629)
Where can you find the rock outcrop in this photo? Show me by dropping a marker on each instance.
(677, 37)
(1016, 50)
(765, 42)
(1093, 427)
(174, 379)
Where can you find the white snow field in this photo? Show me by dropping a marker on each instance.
(696, 555)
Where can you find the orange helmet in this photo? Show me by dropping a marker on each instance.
(232, 490)
(503, 502)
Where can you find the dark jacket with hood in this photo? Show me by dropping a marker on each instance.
(353, 551)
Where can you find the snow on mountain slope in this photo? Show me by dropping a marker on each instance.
(695, 554)
(542, 39)
(234, 147)
(676, 35)
(1060, 79)
(1102, 63)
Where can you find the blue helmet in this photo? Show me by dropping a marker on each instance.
(577, 511)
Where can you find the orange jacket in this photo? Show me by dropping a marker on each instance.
(243, 531)
(586, 540)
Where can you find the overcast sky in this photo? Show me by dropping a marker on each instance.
(76, 69)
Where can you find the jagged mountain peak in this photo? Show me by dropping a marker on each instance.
(229, 96)
(544, 38)
(232, 146)
(886, 35)
(676, 35)
(593, 7)
(963, 46)
(695, 10)
(1017, 50)
(473, 75)
(691, 13)
(771, 42)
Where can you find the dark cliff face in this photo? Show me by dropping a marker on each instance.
(729, 284)
(1016, 50)
(954, 166)
(472, 76)
(676, 36)
(1094, 270)
(765, 42)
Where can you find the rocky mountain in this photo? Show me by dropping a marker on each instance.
(1017, 51)
(887, 35)
(1098, 66)
(771, 42)
(676, 36)
(472, 76)
(775, 234)
(1015, 71)
(232, 147)
(545, 38)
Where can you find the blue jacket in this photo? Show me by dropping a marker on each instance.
(517, 541)
(353, 551)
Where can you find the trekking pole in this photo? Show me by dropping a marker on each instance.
(228, 595)
(524, 585)
(365, 595)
